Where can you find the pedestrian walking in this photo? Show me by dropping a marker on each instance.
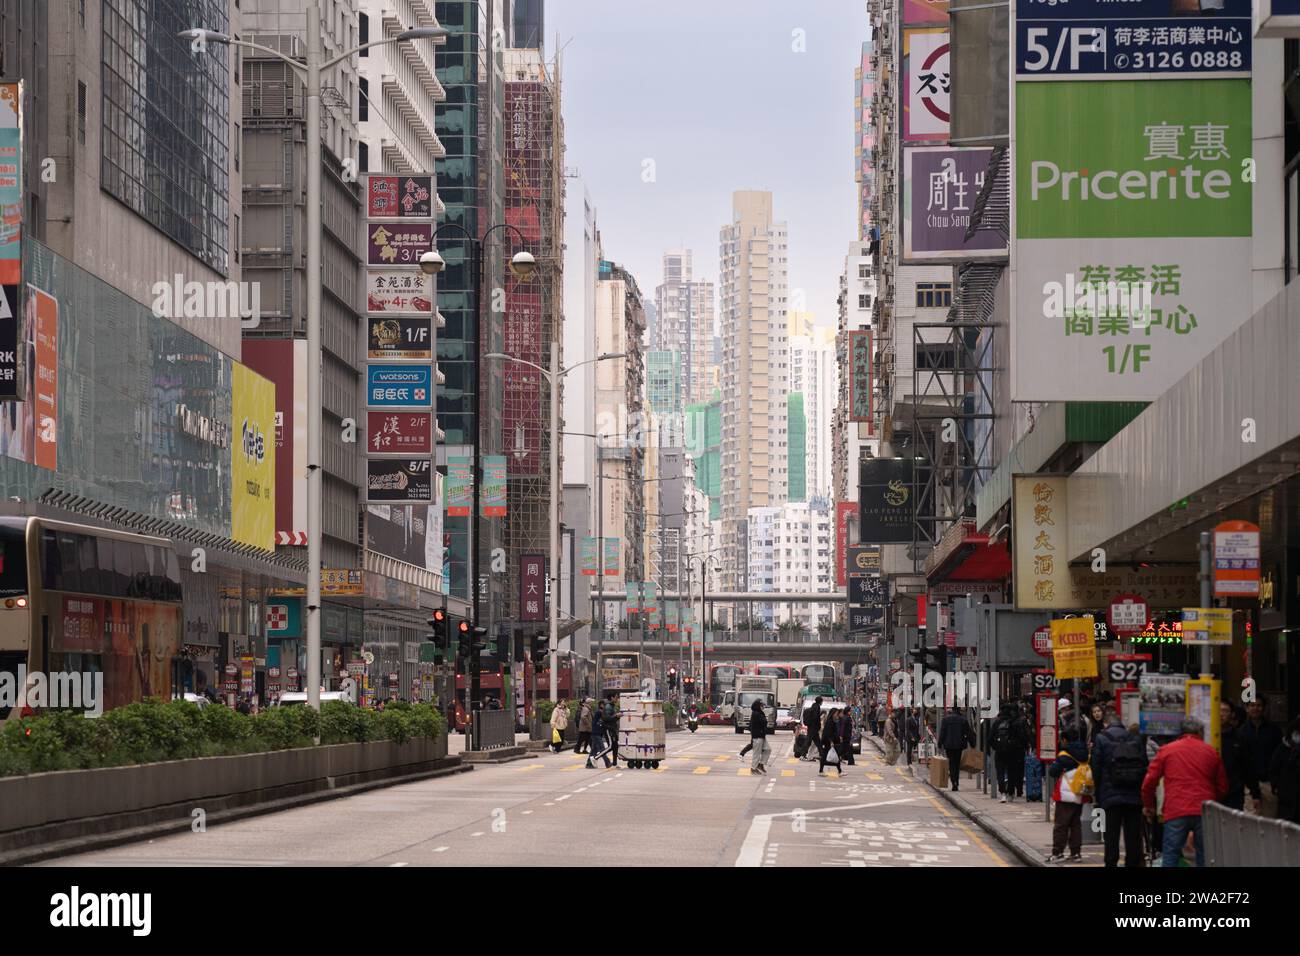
(1263, 738)
(830, 751)
(1119, 765)
(1193, 773)
(609, 714)
(845, 732)
(758, 731)
(955, 735)
(559, 724)
(584, 728)
(599, 745)
(1071, 792)
(812, 720)
(1009, 737)
(1284, 774)
(1237, 762)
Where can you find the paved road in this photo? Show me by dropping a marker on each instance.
(700, 808)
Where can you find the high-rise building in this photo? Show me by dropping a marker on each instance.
(663, 385)
(683, 322)
(790, 549)
(813, 375)
(755, 370)
(864, 148)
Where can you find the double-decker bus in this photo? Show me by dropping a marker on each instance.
(722, 678)
(820, 674)
(776, 670)
(85, 600)
(622, 672)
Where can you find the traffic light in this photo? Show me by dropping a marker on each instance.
(541, 648)
(439, 633)
(688, 685)
(672, 678)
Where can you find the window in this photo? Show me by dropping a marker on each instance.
(933, 295)
(363, 109)
(81, 113)
(238, 234)
(238, 141)
(363, 25)
(81, 12)
(864, 270)
(363, 157)
(864, 301)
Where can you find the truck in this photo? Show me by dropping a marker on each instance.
(787, 691)
(749, 688)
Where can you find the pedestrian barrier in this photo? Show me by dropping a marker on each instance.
(1233, 838)
(493, 729)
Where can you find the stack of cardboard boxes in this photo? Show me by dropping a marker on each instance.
(641, 729)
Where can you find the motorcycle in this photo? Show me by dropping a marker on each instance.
(693, 722)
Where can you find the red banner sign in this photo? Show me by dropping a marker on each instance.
(402, 433)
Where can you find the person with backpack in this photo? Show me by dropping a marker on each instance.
(1193, 773)
(1010, 736)
(1072, 790)
(758, 736)
(1119, 765)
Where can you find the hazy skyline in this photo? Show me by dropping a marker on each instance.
(716, 96)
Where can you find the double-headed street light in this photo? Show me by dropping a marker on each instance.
(553, 376)
(310, 72)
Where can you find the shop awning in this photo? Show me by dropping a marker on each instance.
(964, 555)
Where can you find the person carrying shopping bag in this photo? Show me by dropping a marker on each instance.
(559, 723)
(830, 744)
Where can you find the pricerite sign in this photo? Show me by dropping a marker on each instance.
(1133, 225)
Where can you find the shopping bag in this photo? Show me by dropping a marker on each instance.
(555, 736)
(832, 756)
(972, 760)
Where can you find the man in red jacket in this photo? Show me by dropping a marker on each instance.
(1193, 773)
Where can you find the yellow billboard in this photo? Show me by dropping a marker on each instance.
(252, 459)
(1074, 650)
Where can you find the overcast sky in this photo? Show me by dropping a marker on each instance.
(713, 92)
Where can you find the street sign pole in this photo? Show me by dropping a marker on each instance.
(1205, 597)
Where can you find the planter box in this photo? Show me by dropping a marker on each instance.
(41, 799)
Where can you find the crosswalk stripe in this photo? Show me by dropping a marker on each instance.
(703, 769)
(787, 773)
(874, 776)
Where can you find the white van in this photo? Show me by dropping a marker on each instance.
(297, 698)
(750, 688)
(728, 707)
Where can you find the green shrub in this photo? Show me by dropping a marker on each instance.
(427, 722)
(148, 731)
(342, 723)
(670, 710)
(393, 724)
(278, 728)
(225, 727)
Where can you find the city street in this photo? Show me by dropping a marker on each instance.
(702, 807)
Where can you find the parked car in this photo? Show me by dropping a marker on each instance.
(784, 719)
(713, 717)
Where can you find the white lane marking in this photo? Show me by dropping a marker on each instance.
(548, 804)
(480, 833)
(396, 864)
(527, 812)
(580, 789)
(751, 851)
(565, 797)
(439, 849)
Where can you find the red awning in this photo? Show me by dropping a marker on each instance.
(972, 559)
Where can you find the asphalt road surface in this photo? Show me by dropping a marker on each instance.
(702, 807)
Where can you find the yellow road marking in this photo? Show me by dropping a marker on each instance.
(702, 769)
(787, 773)
(966, 830)
(576, 766)
(721, 757)
(531, 766)
(874, 776)
(743, 772)
(792, 760)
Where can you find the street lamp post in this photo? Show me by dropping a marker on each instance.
(310, 72)
(553, 376)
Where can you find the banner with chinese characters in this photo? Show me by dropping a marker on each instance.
(1074, 649)
(633, 597)
(1039, 526)
(460, 486)
(532, 587)
(860, 375)
(494, 486)
(649, 602)
(1133, 234)
(940, 184)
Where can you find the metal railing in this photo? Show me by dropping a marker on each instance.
(493, 729)
(1233, 838)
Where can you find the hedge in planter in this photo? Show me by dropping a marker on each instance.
(151, 731)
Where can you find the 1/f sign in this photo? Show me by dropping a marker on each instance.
(1131, 359)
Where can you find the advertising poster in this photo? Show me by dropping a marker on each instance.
(284, 617)
(1039, 526)
(396, 293)
(136, 641)
(885, 501)
(940, 184)
(399, 197)
(400, 337)
(10, 310)
(11, 185)
(252, 454)
(397, 244)
(398, 386)
(612, 558)
(525, 409)
(493, 495)
(864, 559)
(926, 84)
(399, 480)
(589, 556)
(460, 486)
(1164, 703)
(400, 532)
(1133, 229)
(633, 597)
(925, 11)
(1102, 39)
(399, 433)
(44, 318)
(284, 363)
(649, 601)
